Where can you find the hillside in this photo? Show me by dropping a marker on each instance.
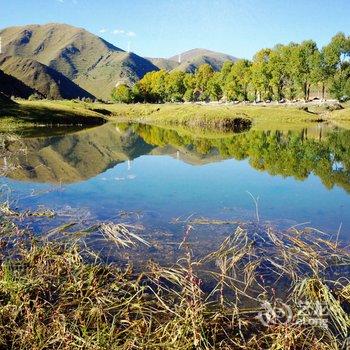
(10, 86)
(113, 68)
(40, 78)
(79, 55)
(67, 49)
(192, 59)
(164, 63)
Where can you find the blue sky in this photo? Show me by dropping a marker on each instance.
(162, 28)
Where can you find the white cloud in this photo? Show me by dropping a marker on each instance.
(123, 32)
(103, 30)
(118, 31)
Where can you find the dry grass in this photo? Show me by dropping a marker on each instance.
(56, 295)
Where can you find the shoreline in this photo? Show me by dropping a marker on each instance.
(216, 116)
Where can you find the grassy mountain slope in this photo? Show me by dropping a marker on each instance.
(68, 49)
(40, 78)
(113, 68)
(11, 86)
(79, 55)
(164, 63)
(192, 59)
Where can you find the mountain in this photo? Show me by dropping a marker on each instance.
(113, 68)
(10, 86)
(164, 63)
(39, 78)
(62, 61)
(192, 59)
(86, 59)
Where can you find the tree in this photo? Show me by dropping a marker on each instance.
(145, 88)
(175, 86)
(336, 59)
(152, 87)
(281, 82)
(261, 75)
(241, 76)
(190, 86)
(122, 93)
(284, 71)
(202, 77)
(303, 58)
(214, 87)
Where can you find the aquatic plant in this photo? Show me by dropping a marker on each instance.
(260, 289)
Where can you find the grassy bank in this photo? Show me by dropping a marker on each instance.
(207, 115)
(27, 113)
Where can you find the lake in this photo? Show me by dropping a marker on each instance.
(164, 178)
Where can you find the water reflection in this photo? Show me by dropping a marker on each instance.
(85, 154)
(159, 177)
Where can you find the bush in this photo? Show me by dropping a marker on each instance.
(122, 93)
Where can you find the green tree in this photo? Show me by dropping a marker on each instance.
(122, 93)
(190, 86)
(336, 57)
(152, 87)
(202, 77)
(175, 86)
(282, 82)
(215, 87)
(303, 59)
(241, 74)
(261, 75)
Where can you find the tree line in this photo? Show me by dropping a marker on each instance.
(283, 72)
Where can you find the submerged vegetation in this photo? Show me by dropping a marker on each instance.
(260, 289)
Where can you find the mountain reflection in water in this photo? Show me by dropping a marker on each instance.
(85, 154)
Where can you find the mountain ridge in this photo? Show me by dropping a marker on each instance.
(42, 79)
(89, 61)
(75, 53)
(189, 61)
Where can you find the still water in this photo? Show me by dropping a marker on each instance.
(155, 176)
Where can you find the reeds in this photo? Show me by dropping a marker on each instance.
(56, 295)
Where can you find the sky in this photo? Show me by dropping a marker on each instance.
(163, 28)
